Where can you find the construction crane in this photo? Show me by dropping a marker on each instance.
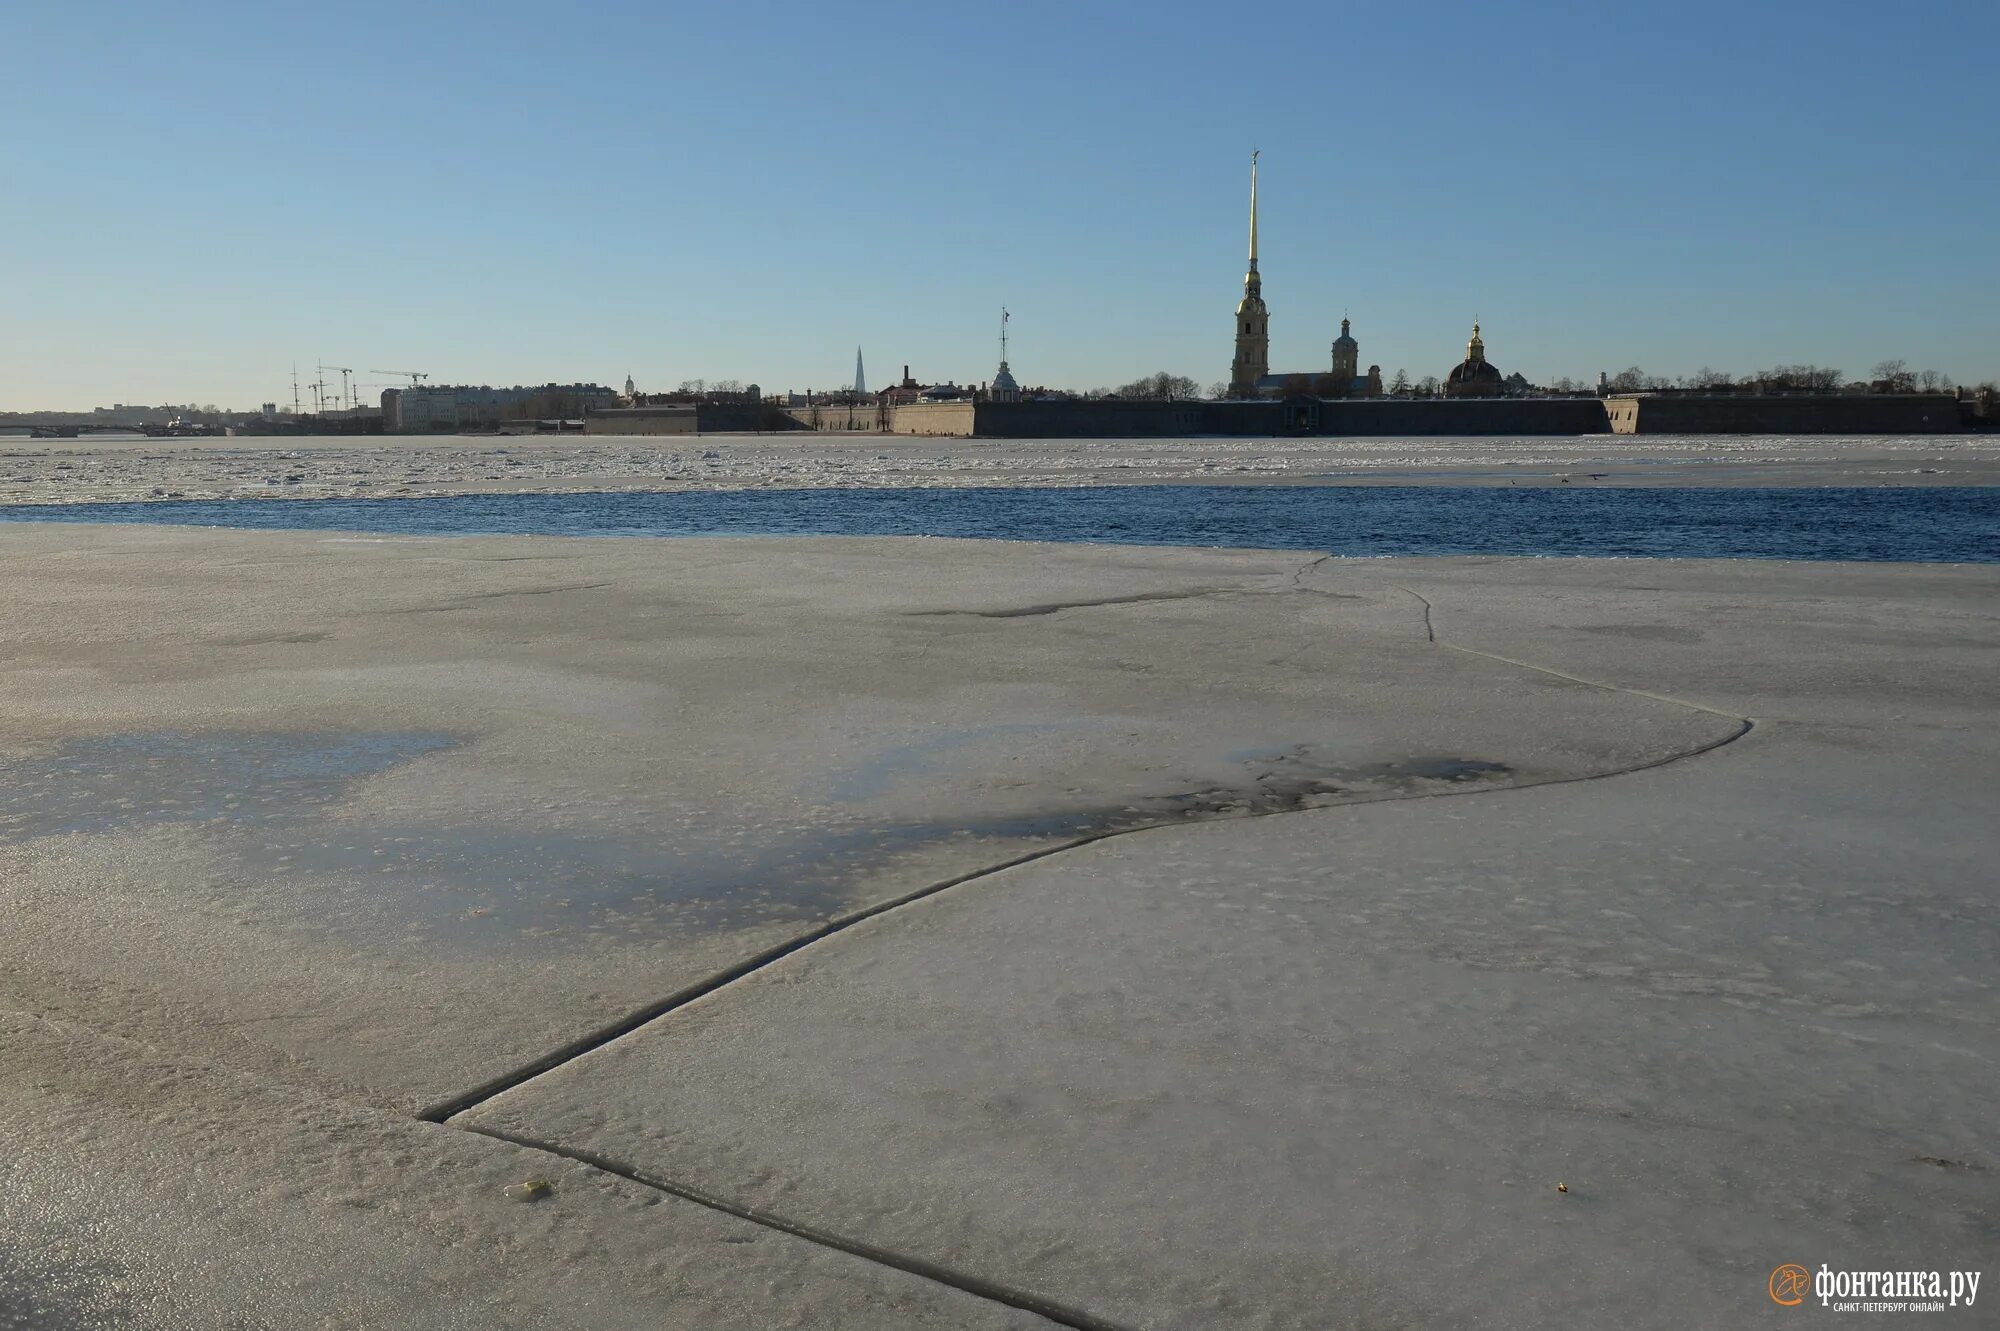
(414, 376)
(346, 392)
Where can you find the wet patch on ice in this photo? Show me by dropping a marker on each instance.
(290, 848)
(938, 754)
(61, 1283)
(1301, 777)
(116, 781)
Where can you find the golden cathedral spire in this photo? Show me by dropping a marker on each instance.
(1253, 320)
(1253, 212)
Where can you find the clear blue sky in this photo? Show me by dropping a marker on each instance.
(193, 195)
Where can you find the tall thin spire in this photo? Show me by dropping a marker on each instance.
(1253, 320)
(1253, 208)
(1005, 389)
(860, 379)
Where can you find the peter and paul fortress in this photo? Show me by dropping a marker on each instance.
(1250, 372)
(1342, 400)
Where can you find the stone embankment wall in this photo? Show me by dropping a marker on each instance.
(1748, 413)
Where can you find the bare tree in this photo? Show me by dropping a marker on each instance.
(1629, 380)
(1172, 387)
(1401, 383)
(1893, 376)
(1800, 378)
(1929, 380)
(1428, 385)
(1218, 391)
(1710, 379)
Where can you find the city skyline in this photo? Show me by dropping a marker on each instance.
(1710, 188)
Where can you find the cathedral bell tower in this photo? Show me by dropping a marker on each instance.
(1253, 321)
(1346, 356)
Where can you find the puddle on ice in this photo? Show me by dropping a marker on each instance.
(273, 809)
(475, 884)
(97, 785)
(272, 806)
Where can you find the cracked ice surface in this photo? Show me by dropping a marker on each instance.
(299, 833)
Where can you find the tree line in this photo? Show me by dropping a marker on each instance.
(1889, 376)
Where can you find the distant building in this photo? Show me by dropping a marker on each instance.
(1342, 380)
(1004, 388)
(420, 410)
(1475, 376)
(907, 391)
(1250, 373)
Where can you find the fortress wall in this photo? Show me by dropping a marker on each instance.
(1349, 416)
(838, 418)
(688, 418)
(1112, 419)
(641, 420)
(1459, 416)
(742, 418)
(1748, 413)
(946, 418)
(1097, 419)
(1394, 417)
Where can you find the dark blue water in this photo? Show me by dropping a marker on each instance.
(1951, 524)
